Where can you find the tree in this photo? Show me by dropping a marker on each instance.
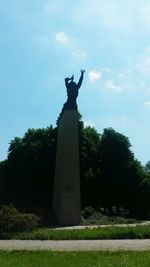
(147, 167)
(3, 179)
(89, 165)
(110, 175)
(116, 158)
(31, 162)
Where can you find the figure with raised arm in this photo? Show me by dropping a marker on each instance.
(72, 92)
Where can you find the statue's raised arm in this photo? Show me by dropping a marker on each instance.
(81, 79)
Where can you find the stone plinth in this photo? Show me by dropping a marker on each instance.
(66, 197)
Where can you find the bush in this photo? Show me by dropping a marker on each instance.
(89, 216)
(87, 212)
(12, 221)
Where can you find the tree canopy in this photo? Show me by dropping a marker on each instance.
(110, 174)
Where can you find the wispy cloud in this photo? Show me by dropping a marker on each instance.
(73, 46)
(62, 38)
(94, 76)
(111, 86)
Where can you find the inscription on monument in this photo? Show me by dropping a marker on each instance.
(70, 189)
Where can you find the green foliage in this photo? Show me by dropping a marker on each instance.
(110, 175)
(31, 163)
(90, 165)
(116, 158)
(3, 176)
(110, 232)
(89, 150)
(119, 145)
(12, 221)
(89, 216)
(147, 167)
(87, 212)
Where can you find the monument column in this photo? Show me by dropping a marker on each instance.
(66, 200)
(66, 195)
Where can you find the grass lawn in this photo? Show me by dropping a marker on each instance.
(74, 259)
(113, 232)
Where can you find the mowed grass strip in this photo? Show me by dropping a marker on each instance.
(74, 259)
(113, 232)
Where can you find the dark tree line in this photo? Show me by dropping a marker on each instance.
(110, 174)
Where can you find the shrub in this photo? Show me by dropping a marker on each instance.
(90, 216)
(87, 212)
(12, 221)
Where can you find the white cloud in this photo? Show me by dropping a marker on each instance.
(147, 103)
(94, 76)
(144, 65)
(62, 37)
(88, 123)
(72, 44)
(79, 54)
(111, 86)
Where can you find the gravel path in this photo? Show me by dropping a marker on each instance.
(76, 245)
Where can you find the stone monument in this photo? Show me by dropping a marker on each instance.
(66, 195)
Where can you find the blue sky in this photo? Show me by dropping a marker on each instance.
(44, 41)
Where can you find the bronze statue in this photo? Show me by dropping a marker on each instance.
(72, 92)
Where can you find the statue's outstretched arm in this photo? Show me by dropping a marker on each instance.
(81, 79)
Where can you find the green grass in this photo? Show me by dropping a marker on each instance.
(112, 232)
(74, 259)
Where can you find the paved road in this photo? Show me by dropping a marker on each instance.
(76, 245)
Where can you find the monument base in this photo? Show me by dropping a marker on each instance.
(66, 196)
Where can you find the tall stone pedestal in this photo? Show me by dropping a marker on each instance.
(66, 196)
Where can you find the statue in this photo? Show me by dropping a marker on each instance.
(72, 92)
(66, 193)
